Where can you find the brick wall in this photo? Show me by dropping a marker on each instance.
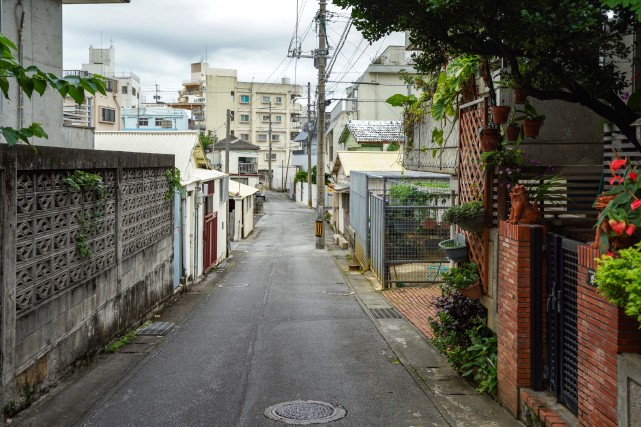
(514, 343)
(604, 331)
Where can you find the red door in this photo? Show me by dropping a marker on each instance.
(210, 238)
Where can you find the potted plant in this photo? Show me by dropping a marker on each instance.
(469, 216)
(531, 120)
(455, 249)
(620, 214)
(489, 136)
(463, 279)
(500, 113)
(512, 130)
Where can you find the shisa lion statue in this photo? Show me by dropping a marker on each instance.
(523, 212)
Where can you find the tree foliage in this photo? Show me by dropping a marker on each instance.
(31, 79)
(565, 50)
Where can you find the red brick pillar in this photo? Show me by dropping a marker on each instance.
(514, 314)
(604, 331)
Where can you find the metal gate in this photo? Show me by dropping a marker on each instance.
(562, 319)
(377, 236)
(210, 238)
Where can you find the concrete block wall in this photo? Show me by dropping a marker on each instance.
(46, 323)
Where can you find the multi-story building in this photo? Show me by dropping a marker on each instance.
(192, 96)
(265, 114)
(103, 112)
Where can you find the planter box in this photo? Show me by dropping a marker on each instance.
(456, 254)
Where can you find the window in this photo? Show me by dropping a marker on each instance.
(244, 136)
(275, 137)
(244, 99)
(266, 99)
(158, 122)
(261, 137)
(279, 99)
(293, 135)
(265, 117)
(244, 118)
(124, 90)
(143, 121)
(273, 156)
(279, 119)
(108, 115)
(167, 124)
(133, 91)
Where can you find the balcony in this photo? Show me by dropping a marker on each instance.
(247, 168)
(77, 115)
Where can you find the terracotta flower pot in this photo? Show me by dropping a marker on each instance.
(500, 114)
(490, 139)
(531, 128)
(520, 95)
(473, 291)
(512, 132)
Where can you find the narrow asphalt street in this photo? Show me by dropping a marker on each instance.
(270, 334)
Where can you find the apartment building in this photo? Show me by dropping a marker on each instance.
(265, 114)
(192, 96)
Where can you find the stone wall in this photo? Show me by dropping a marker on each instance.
(57, 305)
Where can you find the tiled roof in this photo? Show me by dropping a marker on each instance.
(237, 144)
(381, 131)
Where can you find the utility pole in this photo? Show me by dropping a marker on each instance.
(309, 145)
(320, 129)
(270, 146)
(227, 141)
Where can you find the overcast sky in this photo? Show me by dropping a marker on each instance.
(159, 39)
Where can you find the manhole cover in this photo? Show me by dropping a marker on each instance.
(305, 412)
(234, 285)
(156, 328)
(385, 313)
(339, 293)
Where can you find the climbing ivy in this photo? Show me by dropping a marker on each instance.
(85, 182)
(173, 180)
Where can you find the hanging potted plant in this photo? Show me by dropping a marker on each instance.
(500, 113)
(455, 249)
(463, 279)
(531, 120)
(512, 130)
(489, 137)
(519, 95)
(469, 216)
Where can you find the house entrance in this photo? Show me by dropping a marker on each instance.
(562, 319)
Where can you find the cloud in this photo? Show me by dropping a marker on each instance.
(159, 39)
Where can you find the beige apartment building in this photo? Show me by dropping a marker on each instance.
(264, 114)
(192, 96)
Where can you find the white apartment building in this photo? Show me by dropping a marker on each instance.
(264, 114)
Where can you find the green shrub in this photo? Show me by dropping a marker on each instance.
(460, 277)
(466, 211)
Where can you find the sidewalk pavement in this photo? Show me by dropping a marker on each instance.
(416, 305)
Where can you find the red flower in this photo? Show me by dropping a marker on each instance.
(616, 180)
(635, 204)
(610, 253)
(629, 230)
(617, 226)
(617, 164)
(632, 176)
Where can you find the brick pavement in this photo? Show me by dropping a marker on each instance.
(415, 304)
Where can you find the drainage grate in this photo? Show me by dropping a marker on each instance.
(385, 313)
(305, 412)
(339, 293)
(156, 328)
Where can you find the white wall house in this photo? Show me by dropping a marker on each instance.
(243, 161)
(241, 210)
(203, 208)
(154, 118)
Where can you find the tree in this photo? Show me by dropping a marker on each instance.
(565, 50)
(32, 79)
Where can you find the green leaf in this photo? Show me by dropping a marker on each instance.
(26, 84)
(10, 135)
(78, 95)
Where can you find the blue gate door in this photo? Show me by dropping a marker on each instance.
(177, 237)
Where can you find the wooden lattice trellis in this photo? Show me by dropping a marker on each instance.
(472, 178)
